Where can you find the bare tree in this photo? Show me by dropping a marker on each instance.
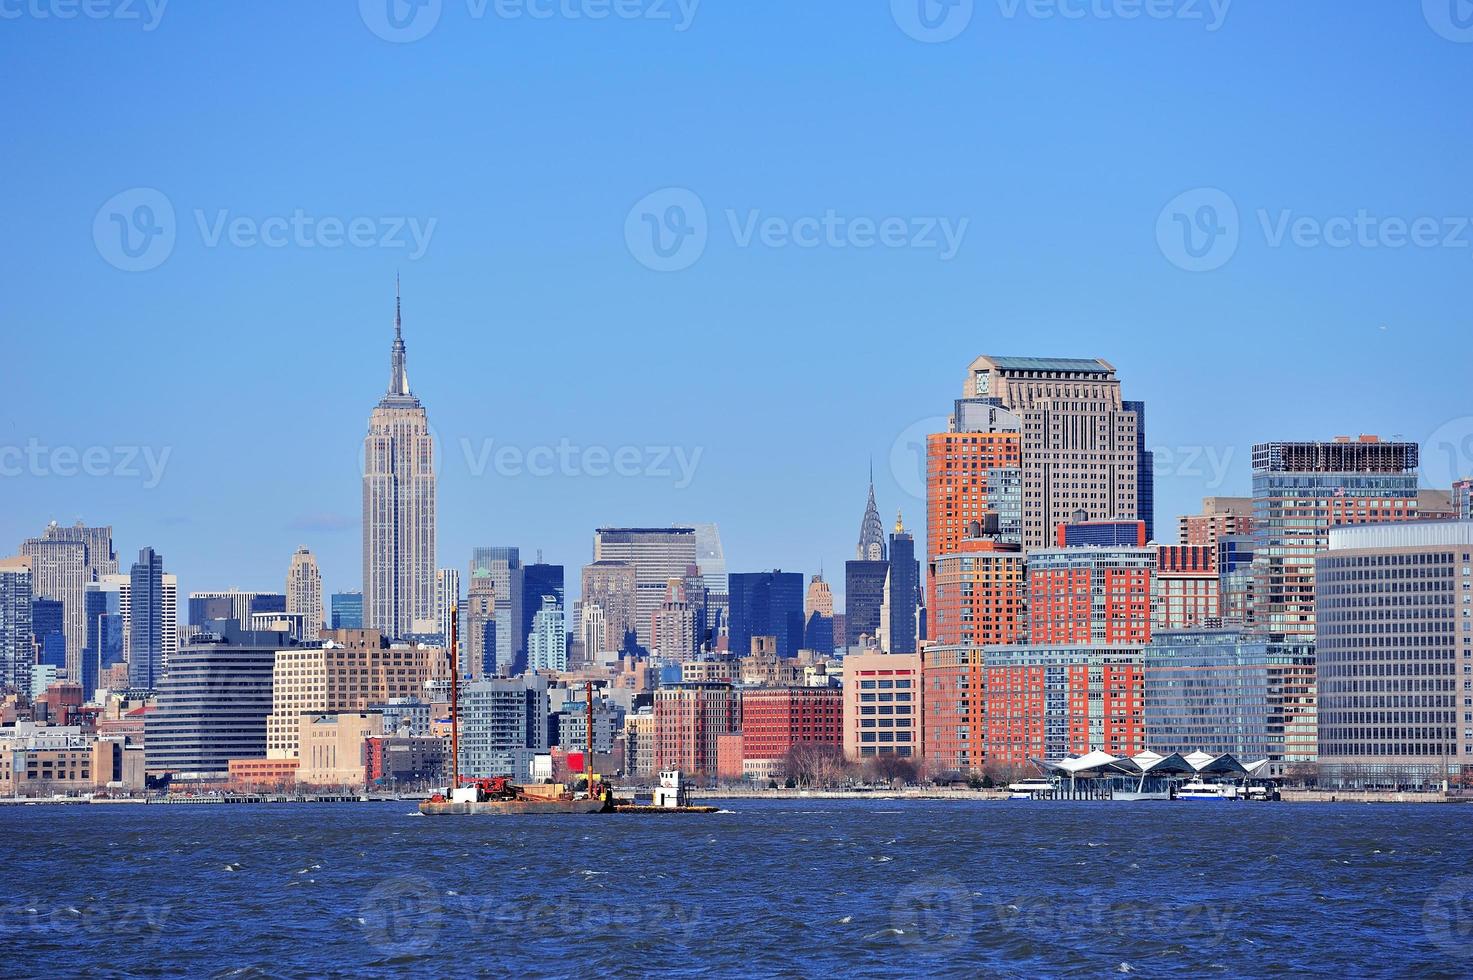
(815, 764)
(892, 769)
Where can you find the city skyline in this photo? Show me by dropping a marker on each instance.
(506, 272)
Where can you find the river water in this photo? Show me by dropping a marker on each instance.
(795, 888)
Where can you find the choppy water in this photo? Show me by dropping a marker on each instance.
(872, 888)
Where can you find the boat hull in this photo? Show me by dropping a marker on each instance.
(437, 808)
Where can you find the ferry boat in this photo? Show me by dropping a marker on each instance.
(1198, 790)
(1026, 789)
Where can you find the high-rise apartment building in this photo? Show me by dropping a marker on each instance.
(1394, 614)
(15, 625)
(1090, 596)
(503, 725)
(304, 593)
(541, 582)
(1221, 517)
(974, 475)
(63, 561)
(658, 554)
(399, 506)
(1463, 499)
(1049, 701)
(1186, 587)
(674, 633)
(478, 646)
(447, 600)
(1082, 448)
(978, 592)
(612, 588)
(146, 621)
(547, 643)
(503, 564)
(1303, 489)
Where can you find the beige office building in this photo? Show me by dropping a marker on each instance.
(882, 705)
(354, 668)
(1394, 616)
(332, 747)
(304, 593)
(1081, 445)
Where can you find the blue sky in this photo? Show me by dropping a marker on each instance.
(1058, 146)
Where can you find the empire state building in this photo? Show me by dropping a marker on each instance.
(399, 507)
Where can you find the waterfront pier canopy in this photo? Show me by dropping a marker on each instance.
(1095, 765)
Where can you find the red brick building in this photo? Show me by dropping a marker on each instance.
(690, 720)
(1048, 702)
(1186, 592)
(774, 719)
(977, 593)
(1084, 596)
(966, 473)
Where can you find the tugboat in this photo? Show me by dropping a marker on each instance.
(499, 795)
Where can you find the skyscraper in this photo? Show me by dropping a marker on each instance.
(766, 604)
(540, 581)
(902, 591)
(674, 634)
(610, 587)
(871, 545)
(399, 506)
(146, 622)
(1300, 491)
(818, 607)
(508, 583)
(15, 625)
(63, 561)
(547, 643)
(865, 576)
(447, 599)
(658, 554)
(1082, 448)
(106, 628)
(478, 646)
(304, 593)
(347, 610)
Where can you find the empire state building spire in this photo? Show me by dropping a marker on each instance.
(398, 373)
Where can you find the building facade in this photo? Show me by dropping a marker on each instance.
(766, 604)
(1303, 489)
(399, 506)
(882, 706)
(1090, 596)
(1081, 444)
(657, 555)
(304, 593)
(1394, 612)
(690, 721)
